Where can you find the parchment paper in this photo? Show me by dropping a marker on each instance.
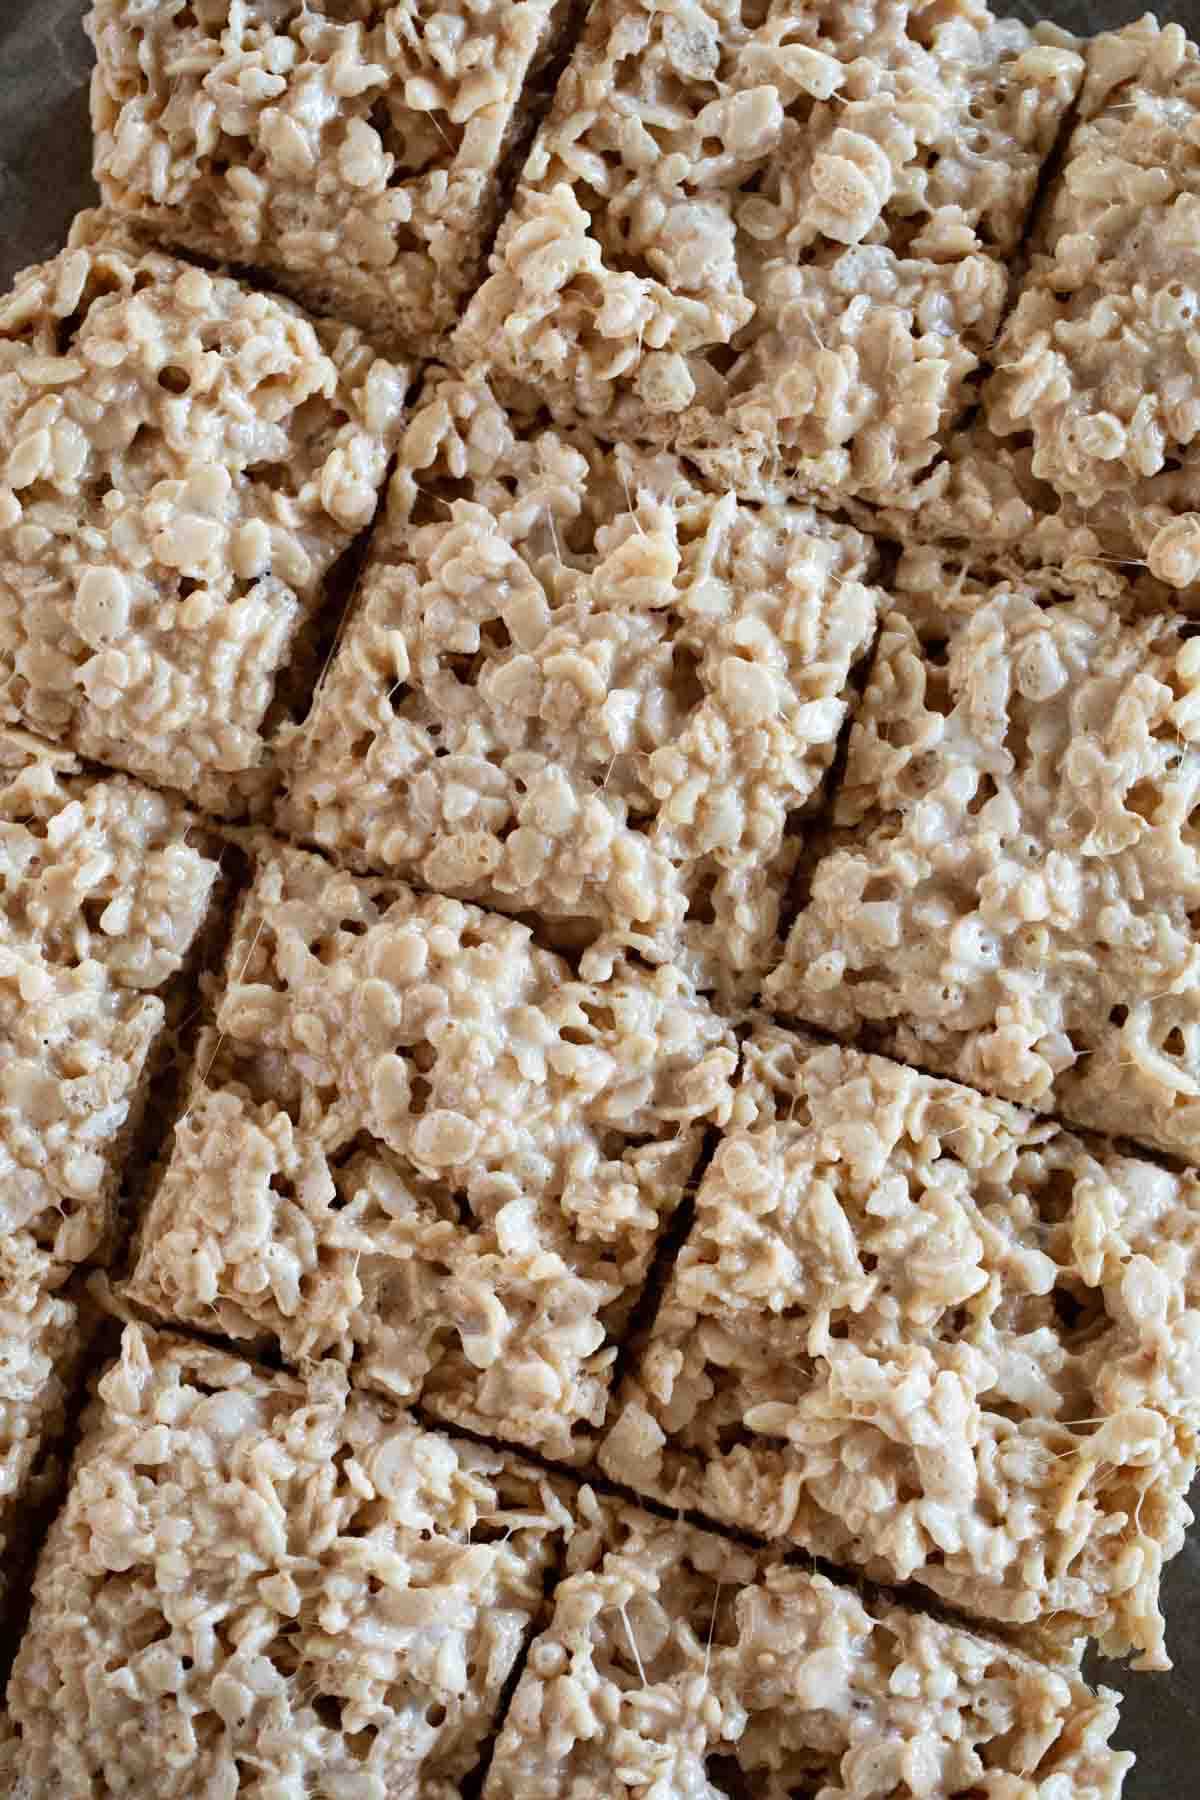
(45, 179)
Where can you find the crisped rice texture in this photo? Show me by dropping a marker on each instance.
(1097, 364)
(44, 1337)
(100, 899)
(774, 236)
(677, 1664)
(351, 148)
(260, 1585)
(584, 686)
(418, 1142)
(981, 505)
(1013, 886)
(927, 1332)
(182, 462)
(101, 896)
(937, 583)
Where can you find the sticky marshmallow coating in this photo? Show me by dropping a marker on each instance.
(352, 149)
(580, 684)
(678, 1663)
(419, 1143)
(933, 1335)
(184, 461)
(775, 237)
(260, 1578)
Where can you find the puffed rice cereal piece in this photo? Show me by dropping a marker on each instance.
(352, 149)
(183, 461)
(1012, 890)
(262, 1584)
(1097, 365)
(420, 1144)
(677, 1663)
(581, 685)
(774, 236)
(101, 896)
(929, 1333)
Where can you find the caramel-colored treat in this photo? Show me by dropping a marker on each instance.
(579, 684)
(261, 1580)
(774, 236)
(1013, 884)
(101, 897)
(927, 1332)
(677, 1663)
(419, 1143)
(1096, 365)
(183, 461)
(352, 149)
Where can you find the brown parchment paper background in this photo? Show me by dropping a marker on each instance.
(45, 179)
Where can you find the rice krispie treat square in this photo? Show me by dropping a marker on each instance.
(678, 1663)
(1012, 890)
(926, 1332)
(774, 235)
(184, 460)
(420, 1144)
(101, 897)
(352, 149)
(579, 684)
(1096, 366)
(260, 1584)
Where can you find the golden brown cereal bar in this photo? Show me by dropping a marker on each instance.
(580, 684)
(933, 1335)
(418, 1142)
(353, 149)
(262, 1579)
(678, 1663)
(184, 461)
(1096, 366)
(1013, 886)
(774, 236)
